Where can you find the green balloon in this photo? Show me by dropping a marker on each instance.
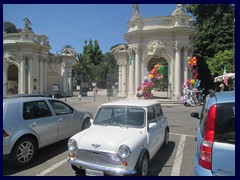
(161, 70)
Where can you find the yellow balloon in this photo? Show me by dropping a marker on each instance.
(151, 76)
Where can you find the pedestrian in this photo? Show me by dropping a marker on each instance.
(221, 87)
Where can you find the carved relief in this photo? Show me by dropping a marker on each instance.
(177, 46)
(155, 47)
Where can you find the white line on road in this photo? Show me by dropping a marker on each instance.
(177, 134)
(178, 158)
(43, 173)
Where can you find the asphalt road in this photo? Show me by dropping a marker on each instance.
(176, 160)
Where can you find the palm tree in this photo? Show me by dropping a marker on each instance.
(83, 69)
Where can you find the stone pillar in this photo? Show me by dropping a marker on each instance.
(119, 79)
(45, 76)
(185, 64)
(70, 80)
(30, 77)
(177, 76)
(124, 79)
(23, 76)
(63, 77)
(137, 68)
(5, 79)
(41, 75)
(131, 76)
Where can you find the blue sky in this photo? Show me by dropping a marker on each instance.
(72, 24)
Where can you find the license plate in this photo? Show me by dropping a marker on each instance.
(91, 172)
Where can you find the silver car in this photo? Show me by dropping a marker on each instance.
(30, 123)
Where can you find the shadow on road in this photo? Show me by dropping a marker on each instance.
(160, 159)
(43, 155)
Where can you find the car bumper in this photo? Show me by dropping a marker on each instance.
(107, 170)
(199, 170)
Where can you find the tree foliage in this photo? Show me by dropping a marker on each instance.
(221, 59)
(215, 29)
(215, 26)
(10, 27)
(93, 66)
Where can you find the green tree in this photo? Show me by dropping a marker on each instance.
(107, 67)
(10, 27)
(215, 28)
(221, 59)
(83, 69)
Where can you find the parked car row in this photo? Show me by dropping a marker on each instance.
(123, 136)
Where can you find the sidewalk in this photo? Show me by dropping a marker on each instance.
(101, 97)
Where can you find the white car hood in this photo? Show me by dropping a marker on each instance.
(105, 138)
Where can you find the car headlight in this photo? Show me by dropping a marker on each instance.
(72, 145)
(124, 151)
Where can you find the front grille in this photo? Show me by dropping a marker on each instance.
(99, 158)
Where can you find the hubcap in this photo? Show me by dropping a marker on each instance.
(25, 152)
(144, 166)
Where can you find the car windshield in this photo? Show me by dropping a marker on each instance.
(120, 116)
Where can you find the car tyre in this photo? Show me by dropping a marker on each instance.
(79, 172)
(23, 152)
(86, 124)
(143, 170)
(166, 138)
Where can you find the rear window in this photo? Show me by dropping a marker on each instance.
(225, 123)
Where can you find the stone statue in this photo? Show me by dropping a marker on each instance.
(135, 13)
(179, 10)
(119, 48)
(27, 27)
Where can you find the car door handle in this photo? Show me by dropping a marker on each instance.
(59, 120)
(33, 124)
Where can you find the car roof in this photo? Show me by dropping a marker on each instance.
(136, 103)
(23, 99)
(226, 96)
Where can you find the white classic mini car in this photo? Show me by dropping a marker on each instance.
(123, 138)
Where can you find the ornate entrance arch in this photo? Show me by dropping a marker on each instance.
(12, 79)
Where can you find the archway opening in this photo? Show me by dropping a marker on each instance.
(12, 80)
(162, 84)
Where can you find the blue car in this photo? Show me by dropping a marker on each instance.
(215, 151)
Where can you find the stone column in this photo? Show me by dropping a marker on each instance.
(119, 79)
(137, 69)
(30, 77)
(185, 64)
(70, 80)
(23, 76)
(5, 67)
(45, 76)
(63, 77)
(177, 76)
(41, 75)
(131, 75)
(124, 79)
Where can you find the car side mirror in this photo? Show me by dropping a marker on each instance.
(195, 115)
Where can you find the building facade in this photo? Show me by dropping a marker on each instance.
(164, 39)
(29, 68)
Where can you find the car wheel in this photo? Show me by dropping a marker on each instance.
(79, 172)
(86, 124)
(166, 138)
(143, 170)
(23, 152)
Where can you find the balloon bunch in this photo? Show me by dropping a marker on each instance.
(148, 83)
(190, 92)
(192, 63)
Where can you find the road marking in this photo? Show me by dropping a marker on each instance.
(178, 158)
(177, 134)
(43, 173)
